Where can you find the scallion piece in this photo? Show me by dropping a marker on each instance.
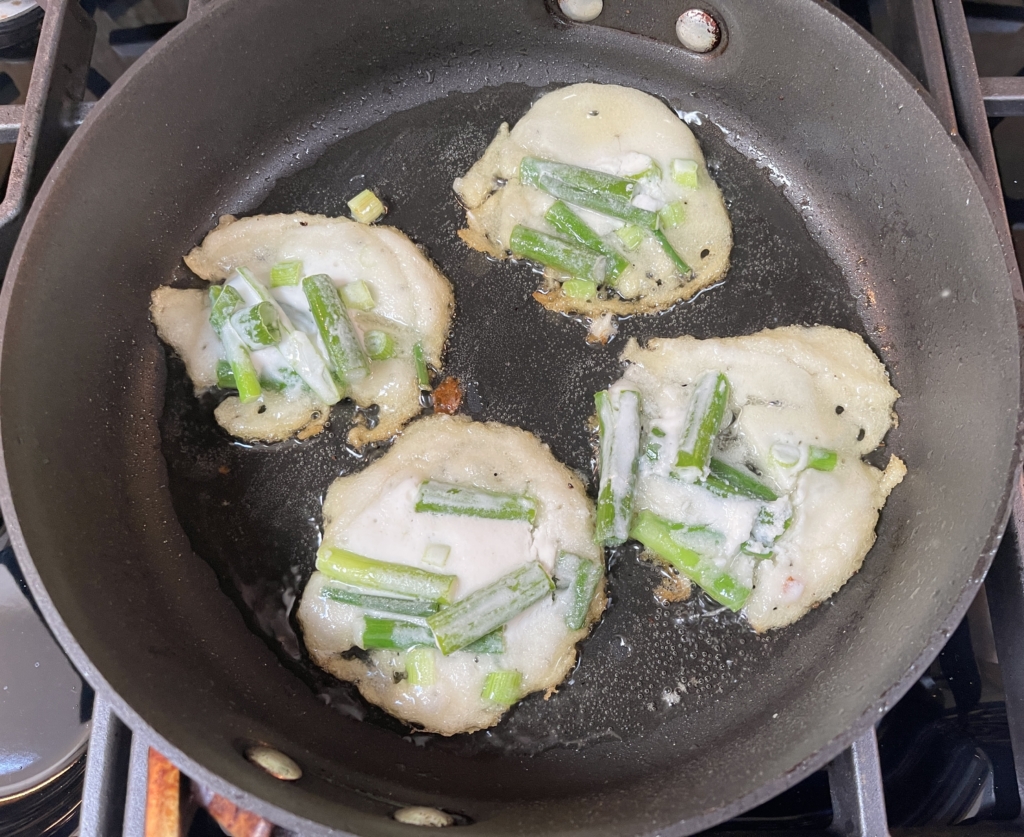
(787, 456)
(394, 634)
(492, 643)
(631, 236)
(259, 325)
(284, 274)
(580, 289)
(344, 351)
(379, 345)
(659, 536)
(618, 417)
(578, 261)
(821, 459)
(704, 414)
(684, 172)
(358, 295)
(727, 481)
(419, 666)
(445, 498)
(587, 189)
(490, 607)
(672, 215)
(670, 251)
(225, 300)
(652, 171)
(225, 377)
(366, 207)
(580, 578)
(436, 554)
(422, 372)
(378, 604)
(384, 576)
(503, 687)
(568, 223)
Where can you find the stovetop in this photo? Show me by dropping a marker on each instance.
(940, 762)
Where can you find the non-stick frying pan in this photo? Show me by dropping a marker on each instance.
(166, 558)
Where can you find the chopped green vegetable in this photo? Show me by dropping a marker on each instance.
(358, 295)
(580, 578)
(394, 634)
(788, 456)
(684, 172)
(436, 554)
(503, 687)
(379, 345)
(225, 377)
(662, 538)
(670, 251)
(286, 274)
(652, 171)
(378, 604)
(419, 666)
(345, 353)
(225, 300)
(492, 643)
(727, 481)
(580, 289)
(618, 417)
(568, 223)
(631, 236)
(490, 607)
(821, 459)
(587, 189)
(578, 261)
(444, 498)
(422, 372)
(366, 207)
(672, 215)
(258, 326)
(704, 414)
(384, 576)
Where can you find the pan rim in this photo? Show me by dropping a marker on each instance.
(285, 817)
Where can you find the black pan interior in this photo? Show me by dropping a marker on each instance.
(843, 215)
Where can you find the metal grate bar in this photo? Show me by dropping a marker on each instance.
(1004, 96)
(135, 798)
(106, 773)
(855, 782)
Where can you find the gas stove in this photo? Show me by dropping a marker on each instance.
(940, 762)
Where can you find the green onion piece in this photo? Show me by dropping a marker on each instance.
(258, 326)
(618, 417)
(579, 262)
(378, 604)
(566, 566)
(684, 172)
(419, 666)
(631, 236)
(345, 353)
(492, 643)
(445, 498)
(285, 274)
(587, 189)
(379, 345)
(225, 377)
(394, 634)
(579, 289)
(490, 607)
(670, 251)
(583, 579)
(652, 171)
(366, 207)
(788, 456)
(383, 576)
(224, 301)
(821, 459)
(436, 554)
(672, 215)
(726, 481)
(503, 687)
(247, 381)
(659, 536)
(358, 295)
(703, 420)
(568, 223)
(422, 372)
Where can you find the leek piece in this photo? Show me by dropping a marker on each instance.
(490, 607)
(445, 498)
(366, 207)
(503, 687)
(384, 576)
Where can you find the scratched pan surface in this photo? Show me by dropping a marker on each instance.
(168, 559)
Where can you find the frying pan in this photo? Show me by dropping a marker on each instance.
(167, 558)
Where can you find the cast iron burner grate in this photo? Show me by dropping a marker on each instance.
(945, 752)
